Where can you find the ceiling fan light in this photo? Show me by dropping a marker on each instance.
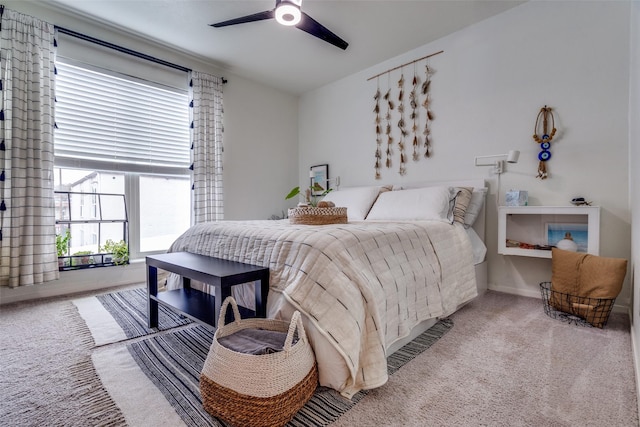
(288, 14)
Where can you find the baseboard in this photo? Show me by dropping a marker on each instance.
(515, 291)
(536, 294)
(635, 352)
(78, 281)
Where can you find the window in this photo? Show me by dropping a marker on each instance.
(120, 135)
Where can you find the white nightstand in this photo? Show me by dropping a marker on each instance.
(534, 226)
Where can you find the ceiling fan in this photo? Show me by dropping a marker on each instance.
(287, 12)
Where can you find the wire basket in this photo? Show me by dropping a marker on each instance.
(583, 311)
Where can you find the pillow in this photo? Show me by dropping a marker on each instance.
(461, 203)
(357, 200)
(579, 277)
(475, 206)
(414, 204)
(565, 270)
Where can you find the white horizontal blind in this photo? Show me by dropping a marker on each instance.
(118, 122)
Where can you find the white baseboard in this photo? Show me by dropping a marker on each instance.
(536, 294)
(77, 281)
(635, 352)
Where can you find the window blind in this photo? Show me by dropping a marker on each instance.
(119, 122)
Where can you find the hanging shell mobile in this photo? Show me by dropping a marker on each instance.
(426, 87)
(408, 125)
(390, 106)
(402, 126)
(414, 115)
(376, 110)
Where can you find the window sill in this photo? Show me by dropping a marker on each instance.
(77, 281)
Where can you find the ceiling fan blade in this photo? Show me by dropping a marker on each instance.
(260, 16)
(313, 27)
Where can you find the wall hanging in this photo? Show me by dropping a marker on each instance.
(406, 130)
(544, 139)
(402, 126)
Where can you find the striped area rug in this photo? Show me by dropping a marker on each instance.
(173, 362)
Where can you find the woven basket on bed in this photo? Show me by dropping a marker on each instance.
(258, 390)
(317, 216)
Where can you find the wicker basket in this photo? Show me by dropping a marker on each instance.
(318, 216)
(575, 309)
(258, 390)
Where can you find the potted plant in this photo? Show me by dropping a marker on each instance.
(310, 199)
(62, 243)
(62, 248)
(118, 250)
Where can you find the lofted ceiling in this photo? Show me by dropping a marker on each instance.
(287, 58)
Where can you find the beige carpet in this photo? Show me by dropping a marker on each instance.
(46, 374)
(504, 363)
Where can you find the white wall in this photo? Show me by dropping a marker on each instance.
(260, 157)
(261, 150)
(634, 194)
(489, 85)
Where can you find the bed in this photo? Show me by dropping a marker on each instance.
(408, 255)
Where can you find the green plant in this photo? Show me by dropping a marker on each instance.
(119, 250)
(309, 197)
(62, 243)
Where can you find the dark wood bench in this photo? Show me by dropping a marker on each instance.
(200, 306)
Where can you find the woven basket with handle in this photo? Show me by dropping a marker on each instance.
(258, 390)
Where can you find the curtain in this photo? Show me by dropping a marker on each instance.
(206, 147)
(27, 212)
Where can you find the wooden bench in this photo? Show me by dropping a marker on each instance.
(200, 306)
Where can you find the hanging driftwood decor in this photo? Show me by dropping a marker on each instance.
(426, 87)
(402, 127)
(405, 132)
(376, 110)
(414, 115)
(390, 106)
(545, 139)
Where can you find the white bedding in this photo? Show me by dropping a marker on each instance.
(360, 286)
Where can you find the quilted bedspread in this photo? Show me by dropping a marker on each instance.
(362, 285)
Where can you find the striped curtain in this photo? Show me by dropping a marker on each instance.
(206, 147)
(27, 215)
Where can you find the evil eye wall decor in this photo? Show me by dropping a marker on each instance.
(544, 155)
(543, 137)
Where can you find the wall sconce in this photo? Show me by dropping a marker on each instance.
(335, 181)
(498, 164)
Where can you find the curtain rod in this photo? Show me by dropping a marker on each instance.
(403, 65)
(124, 50)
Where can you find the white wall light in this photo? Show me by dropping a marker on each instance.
(499, 159)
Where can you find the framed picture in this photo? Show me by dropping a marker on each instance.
(579, 233)
(319, 174)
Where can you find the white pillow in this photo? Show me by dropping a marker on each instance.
(475, 206)
(427, 203)
(357, 200)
